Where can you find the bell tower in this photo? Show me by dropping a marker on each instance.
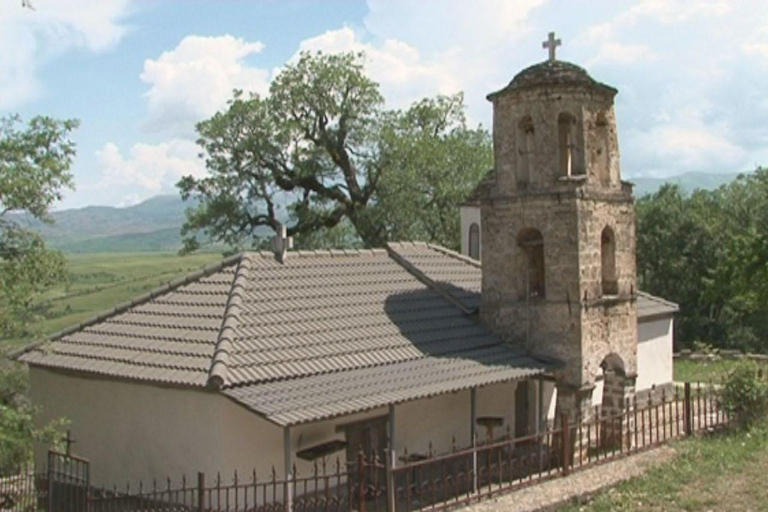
(558, 230)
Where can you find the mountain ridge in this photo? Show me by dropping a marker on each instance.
(155, 223)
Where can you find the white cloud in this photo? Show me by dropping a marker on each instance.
(29, 37)
(676, 11)
(148, 169)
(661, 11)
(684, 148)
(437, 26)
(477, 44)
(194, 80)
(618, 53)
(403, 74)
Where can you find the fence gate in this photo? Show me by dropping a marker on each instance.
(68, 480)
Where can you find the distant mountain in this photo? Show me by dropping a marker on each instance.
(154, 225)
(159, 212)
(688, 182)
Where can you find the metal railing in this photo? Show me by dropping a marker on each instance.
(434, 481)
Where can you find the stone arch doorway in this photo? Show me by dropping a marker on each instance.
(618, 395)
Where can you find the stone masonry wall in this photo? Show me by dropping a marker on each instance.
(575, 322)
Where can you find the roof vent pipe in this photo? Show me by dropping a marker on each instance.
(281, 243)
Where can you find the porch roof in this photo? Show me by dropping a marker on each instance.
(291, 402)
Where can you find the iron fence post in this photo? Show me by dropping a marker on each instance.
(390, 469)
(391, 461)
(566, 443)
(687, 411)
(200, 491)
(361, 481)
(49, 498)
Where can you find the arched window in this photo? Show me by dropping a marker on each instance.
(603, 156)
(531, 244)
(608, 262)
(566, 140)
(525, 141)
(474, 241)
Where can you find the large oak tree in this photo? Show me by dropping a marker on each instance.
(322, 154)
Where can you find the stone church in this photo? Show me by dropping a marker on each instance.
(277, 359)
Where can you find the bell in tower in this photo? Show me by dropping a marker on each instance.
(558, 230)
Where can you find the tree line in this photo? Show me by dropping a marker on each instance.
(708, 251)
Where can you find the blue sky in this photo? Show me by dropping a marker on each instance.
(138, 74)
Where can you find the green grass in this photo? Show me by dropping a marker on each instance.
(99, 282)
(703, 371)
(725, 471)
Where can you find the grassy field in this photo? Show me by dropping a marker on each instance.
(724, 471)
(703, 371)
(99, 282)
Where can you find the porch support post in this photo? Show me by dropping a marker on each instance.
(473, 434)
(539, 405)
(288, 488)
(391, 461)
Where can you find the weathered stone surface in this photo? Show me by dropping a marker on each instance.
(557, 172)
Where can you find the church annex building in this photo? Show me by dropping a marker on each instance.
(276, 359)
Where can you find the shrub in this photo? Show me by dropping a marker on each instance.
(745, 394)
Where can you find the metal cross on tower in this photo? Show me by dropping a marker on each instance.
(551, 44)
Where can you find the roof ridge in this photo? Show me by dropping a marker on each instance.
(125, 306)
(455, 255)
(220, 361)
(666, 302)
(421, 276)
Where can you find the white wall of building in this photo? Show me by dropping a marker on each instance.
(469, 215)
(654, 353)
(134, 432)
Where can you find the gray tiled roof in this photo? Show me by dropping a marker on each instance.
(650, 307)
(288, 402)
(398, 323)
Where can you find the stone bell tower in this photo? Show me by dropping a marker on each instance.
(558, 231)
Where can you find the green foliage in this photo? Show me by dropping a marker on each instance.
(321, 154)
(438, 161)
(18, 431)
(708, 251)
(27, 269)
(34, 168)
(745, 394)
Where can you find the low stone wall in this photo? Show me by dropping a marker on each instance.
(719, 355)
(655, 394)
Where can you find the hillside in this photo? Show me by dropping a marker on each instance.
(688, 182)
(150, 226)
(154, 224)
(104, 228)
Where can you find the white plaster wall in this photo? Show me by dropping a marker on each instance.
(654, 353)
(131, 431)
(138, 432)
(469, 215)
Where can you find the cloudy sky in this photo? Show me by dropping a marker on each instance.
(692, 74)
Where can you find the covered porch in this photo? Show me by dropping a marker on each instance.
(400, 413)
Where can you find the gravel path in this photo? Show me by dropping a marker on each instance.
(547, 495)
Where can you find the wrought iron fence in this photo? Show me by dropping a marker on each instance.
(423, 481)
